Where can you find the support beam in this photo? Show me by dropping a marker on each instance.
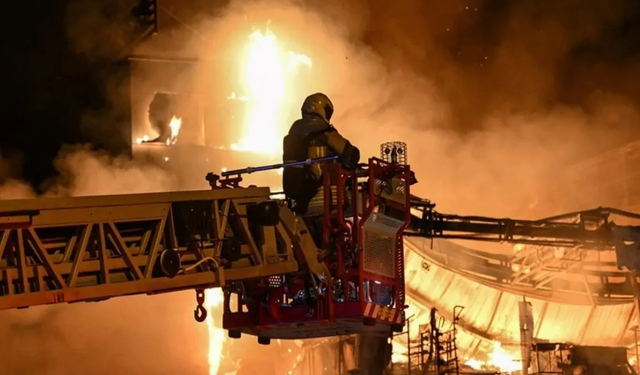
(468, 264)
(427, 304)
(540, 320)
(587, 288)
(552, 276)
(633, 278)
(495, 312)
(632, 313)
(585, 328)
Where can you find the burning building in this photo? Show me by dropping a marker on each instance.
(206, 112)
(195, 112)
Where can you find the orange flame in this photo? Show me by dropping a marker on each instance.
(144, 138)
(214, 298)
(265, 79)
(498, 359)
(175, 124)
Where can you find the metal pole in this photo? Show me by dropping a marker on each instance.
(409, 346)
(392, 365)
(635, 331)
(340, 356)
(249, 170)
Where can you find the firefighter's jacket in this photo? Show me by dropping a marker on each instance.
(311, 138)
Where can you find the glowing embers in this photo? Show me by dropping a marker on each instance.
(266, 76)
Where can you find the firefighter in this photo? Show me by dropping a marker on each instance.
(312, 137)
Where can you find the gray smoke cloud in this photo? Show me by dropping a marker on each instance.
(87, 172)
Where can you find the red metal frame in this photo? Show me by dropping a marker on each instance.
(383, 171)
(336, 231)
(346, 238)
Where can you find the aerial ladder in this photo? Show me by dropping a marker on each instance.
(278, 283)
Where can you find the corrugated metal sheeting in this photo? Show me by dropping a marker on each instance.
(490, 314)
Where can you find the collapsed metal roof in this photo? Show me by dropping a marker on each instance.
(589, 302)
(491, 313)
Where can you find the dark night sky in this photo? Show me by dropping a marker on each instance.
(55, 96)
(51, 93)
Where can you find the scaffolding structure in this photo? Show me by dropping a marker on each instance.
(561, 358)
(434, 351)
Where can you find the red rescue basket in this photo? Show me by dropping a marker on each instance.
(365, 214)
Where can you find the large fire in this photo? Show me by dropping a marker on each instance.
(214, 298)
(498, 359)
(265, 79)
(266, 75)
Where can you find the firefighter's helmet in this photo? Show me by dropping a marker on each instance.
(318, 104)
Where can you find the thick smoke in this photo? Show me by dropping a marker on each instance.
(86, 172)
(481, 92)
(491, 97)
